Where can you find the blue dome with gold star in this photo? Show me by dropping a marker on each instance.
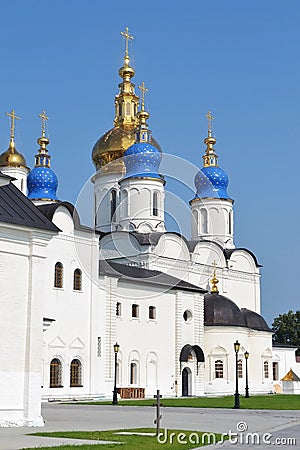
(42, 184)
(142, 159)
(211, 182)
(41, 181)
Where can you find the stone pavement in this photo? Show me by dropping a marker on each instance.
(58, 417)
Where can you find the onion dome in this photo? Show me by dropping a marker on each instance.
(11, 157)
(211, 181)
(42, 182)
(254, 320)
(220, 310)
(112, 145)
(142, 159)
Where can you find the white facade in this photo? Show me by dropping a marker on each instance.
(128, 280)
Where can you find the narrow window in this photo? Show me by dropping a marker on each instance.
(58, 275)
(135, 311)
(219, 371)
(99, 346)
(240, 368)
(230, 222)
(55, 373)
(155, 204)
(275, 371)
(266, 369)
(75, 373)
(204, 227)
(118, 309)
(113, 204)
(133, 373)
(152, 312)
(128, 109)
(77, 281)
(120, 109)
(125, 203)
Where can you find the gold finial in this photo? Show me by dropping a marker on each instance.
(43, 118)
(210, 118)
(214, 280)
(12, 116)
(143, 90)
(127, 37)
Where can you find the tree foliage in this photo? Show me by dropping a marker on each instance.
(286, 328)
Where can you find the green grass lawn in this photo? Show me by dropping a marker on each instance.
(272, 401)
(190, 439)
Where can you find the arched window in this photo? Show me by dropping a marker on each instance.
(77, 281)
(125, 202)
(75, 373)
(266, 369)
(219, 369)
(118, 309)
(240, 368)
(155, 204)
(55, 373)
(113, 204)
(152, 312)
(58, 275)
(133, 373)
(204, 225)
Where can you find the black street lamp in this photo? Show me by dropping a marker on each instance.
(246, 354)
(236, 395)
(115, 394)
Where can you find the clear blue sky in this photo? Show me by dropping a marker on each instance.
(240, 59)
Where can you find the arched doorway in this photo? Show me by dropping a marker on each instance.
(186, 382)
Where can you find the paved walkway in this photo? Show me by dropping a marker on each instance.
(59, 417)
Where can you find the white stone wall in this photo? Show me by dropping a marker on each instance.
(22, 253)
(78, 315)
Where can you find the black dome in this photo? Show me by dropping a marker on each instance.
(220, 310)
(254, 320)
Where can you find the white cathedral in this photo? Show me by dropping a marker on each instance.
(69, 292)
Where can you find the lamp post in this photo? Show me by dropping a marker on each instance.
(115, 392)
(246, 354)
(236, 395)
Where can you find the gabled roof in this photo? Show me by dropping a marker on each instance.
(17, 209)
(145, 276)
(290, 376)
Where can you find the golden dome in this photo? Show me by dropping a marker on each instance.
(12, 157)
(112, 146)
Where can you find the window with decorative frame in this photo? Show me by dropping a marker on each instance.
(240, 368)
(75, 373)
(58, 275)
(266, 369)
(77, 280)
(219, 369)
(55, 373)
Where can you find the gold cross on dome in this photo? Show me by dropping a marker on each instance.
(127, 37)
(210, 118)
(143, 90)
(12, 116)
(43, 118)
